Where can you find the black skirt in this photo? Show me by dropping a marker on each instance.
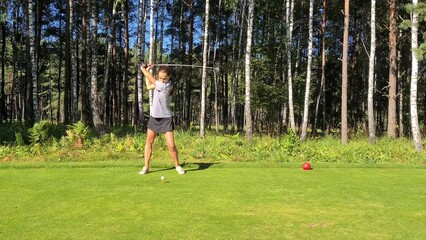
(161, 125)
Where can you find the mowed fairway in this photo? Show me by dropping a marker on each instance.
(217, 202)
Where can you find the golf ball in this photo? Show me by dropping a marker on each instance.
(162, 177)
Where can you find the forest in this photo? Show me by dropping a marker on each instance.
(239, 66)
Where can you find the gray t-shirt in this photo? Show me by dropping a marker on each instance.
(161, 101)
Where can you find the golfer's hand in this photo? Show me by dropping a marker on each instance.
(146, 67)
(150, 66)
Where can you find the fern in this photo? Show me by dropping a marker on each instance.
(39, 133)
(76, 133)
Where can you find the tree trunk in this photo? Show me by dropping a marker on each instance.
(85, 101)
(308, 73)
(414, 78)
(204, 74)
(371, 126)
(188, 83)
(236, 75)
(321, 95)
(392, 70)
(151, 45)
(94, 96)
(110, 15)
(247, 107)
(38, 10)
(15, 36)
(27, 103)
(216, 76)
(126, 62)
(33, 59)
(162, 5)
(344, 111)
(289, 24)
(401, 94)
(3, 113)
(58, 82)
(68, 64)
(115, 71)
(140, 56)
(75, 78)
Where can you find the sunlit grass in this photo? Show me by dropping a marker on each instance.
(109, 200)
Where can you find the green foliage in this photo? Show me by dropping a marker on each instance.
(290, 143)
(406, 24)
(8, 133)
(421, 50)
(45, 132)
(19, 140)
(76, 133)
(46, 145)
(420, 9)
(39, 133)
(267, 96)
(360, 151)
(115, 144)
(78, 129)
(3, 12)
(269, 56)
(13, 153)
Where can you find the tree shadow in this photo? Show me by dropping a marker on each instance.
(200, 166)
(161, 170)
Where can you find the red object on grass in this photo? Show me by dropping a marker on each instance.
(306, 166)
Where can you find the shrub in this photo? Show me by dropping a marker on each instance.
(214, 148)
(19, 140)
(76, 134)
(39, 133)
(8, 133)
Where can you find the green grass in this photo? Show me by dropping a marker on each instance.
(109, 200)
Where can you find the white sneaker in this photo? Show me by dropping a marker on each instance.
(144, 170)
(180, 170)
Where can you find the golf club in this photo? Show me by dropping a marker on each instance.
(215, 68)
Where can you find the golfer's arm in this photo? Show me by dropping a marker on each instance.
(149, 78)
(149, 85)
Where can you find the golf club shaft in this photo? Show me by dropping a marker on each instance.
(179, 65)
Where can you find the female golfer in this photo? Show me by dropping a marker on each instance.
(161, 117)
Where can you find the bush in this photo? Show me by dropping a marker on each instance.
(45, 132)
(19, 140)
(214, 148)
(76, 134)
(8, 133)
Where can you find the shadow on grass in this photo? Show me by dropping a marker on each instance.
(188, 167)
(161, 170)
(200, 166)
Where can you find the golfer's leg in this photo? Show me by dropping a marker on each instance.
(150, 137)
(170, 141)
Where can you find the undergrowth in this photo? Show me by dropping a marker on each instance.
(50, 143)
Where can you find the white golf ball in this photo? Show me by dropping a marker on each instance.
(162, 177)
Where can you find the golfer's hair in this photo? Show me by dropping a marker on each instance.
(166, 70)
